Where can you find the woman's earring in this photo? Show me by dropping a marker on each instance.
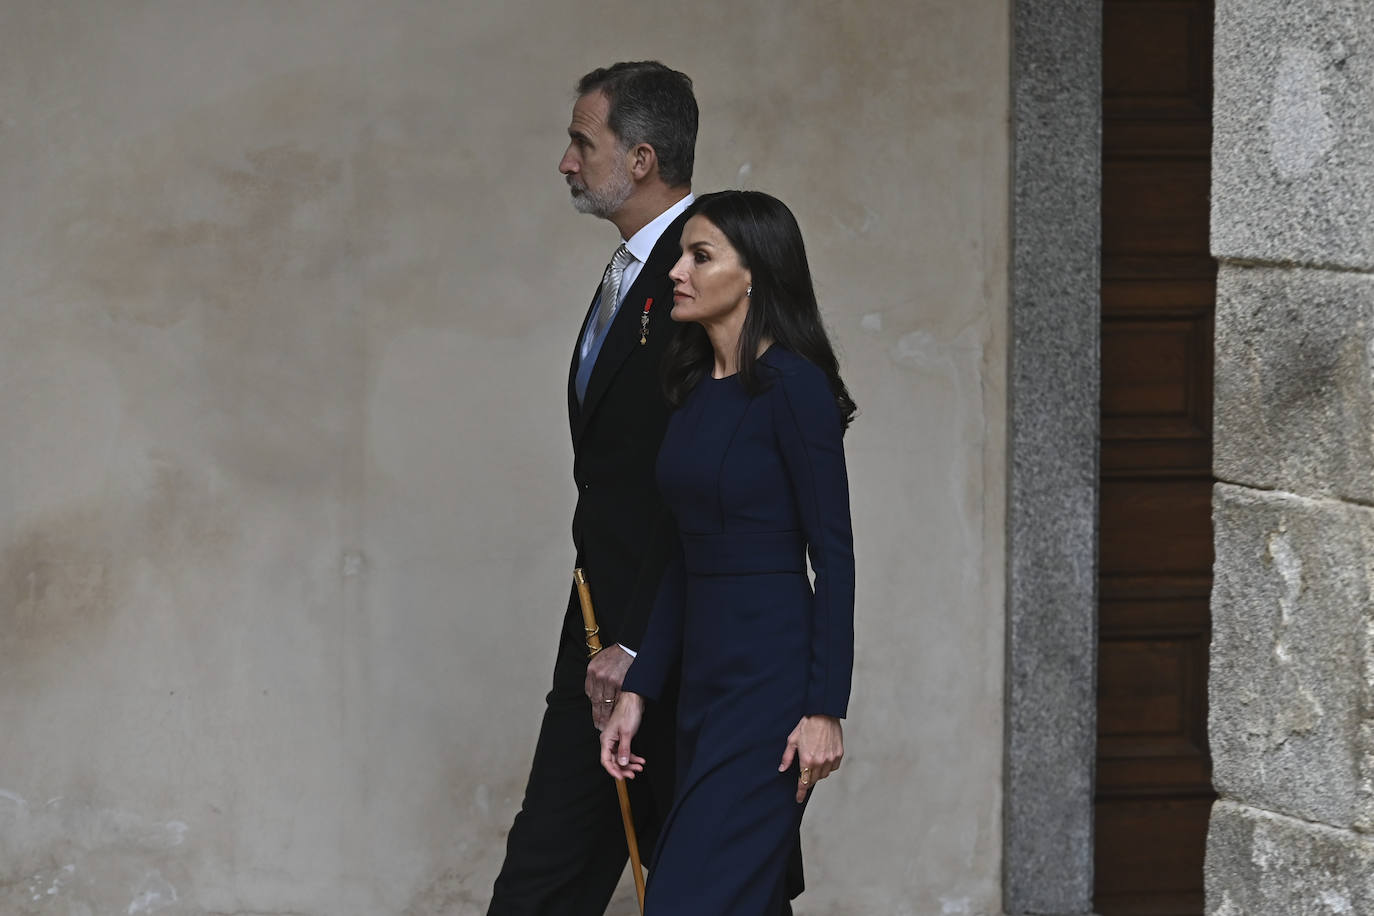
(749, 293)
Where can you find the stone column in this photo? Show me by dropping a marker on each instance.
(1051, 706)
(1292, 671)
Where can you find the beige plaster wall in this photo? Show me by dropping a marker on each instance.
(287, 293)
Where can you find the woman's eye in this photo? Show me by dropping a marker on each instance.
(700, 257)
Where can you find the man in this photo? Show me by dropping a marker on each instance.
(629, 160)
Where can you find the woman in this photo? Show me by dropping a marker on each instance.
(753, 469)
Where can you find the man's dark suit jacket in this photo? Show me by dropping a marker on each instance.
(616, 433)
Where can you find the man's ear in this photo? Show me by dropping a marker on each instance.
(643, 161)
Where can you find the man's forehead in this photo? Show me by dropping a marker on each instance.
(590, 112)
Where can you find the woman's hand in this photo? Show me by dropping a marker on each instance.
(818, 744)
(616, 756)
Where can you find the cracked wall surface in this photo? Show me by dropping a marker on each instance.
(1291, 722)
(288, 298)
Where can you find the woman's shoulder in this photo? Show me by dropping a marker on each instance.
(794, 370)
(803, 383)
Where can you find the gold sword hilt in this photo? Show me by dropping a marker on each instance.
(589, 627)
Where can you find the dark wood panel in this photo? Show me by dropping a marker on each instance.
(1124, 770)
(1196, 265)
(1149, 614)
(1163, 457)
(1156, 865)
(1151, 372)
(1156, 904)
(1181, 139)
(1157, 377)
(1156, 55)
(1155, 207)
(1145, 370)
(1185, 756)
(1155, 548)
(1152, 697)
(1124, 587)
(1148, 688)
(1170, 297)
(1155, 526)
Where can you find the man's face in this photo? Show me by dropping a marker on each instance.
(595, 165)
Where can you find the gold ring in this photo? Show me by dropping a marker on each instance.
(608, 701)
(806, 769)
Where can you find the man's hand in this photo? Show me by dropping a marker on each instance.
(605, 674)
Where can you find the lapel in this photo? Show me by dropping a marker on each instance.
(573, 407)
(623, 336)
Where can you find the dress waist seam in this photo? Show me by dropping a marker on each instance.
(744, 553)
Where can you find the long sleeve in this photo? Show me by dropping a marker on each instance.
(662, 643)
(810, 436)
(662, 541)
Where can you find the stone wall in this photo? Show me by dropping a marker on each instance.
(1292, 674)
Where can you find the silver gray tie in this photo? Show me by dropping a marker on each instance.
(610, 291)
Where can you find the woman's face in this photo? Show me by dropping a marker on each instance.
(710, 283)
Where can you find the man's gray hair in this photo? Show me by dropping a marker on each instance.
(654, 104)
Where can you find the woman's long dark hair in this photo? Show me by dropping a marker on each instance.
(782, 307)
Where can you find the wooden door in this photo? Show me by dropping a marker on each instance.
(1158, 294)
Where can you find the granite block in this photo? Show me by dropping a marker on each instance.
(1295, 381)
(1292, 644)
(1293, 132)
(1264, 864)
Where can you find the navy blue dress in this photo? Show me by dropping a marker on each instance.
(753, 483)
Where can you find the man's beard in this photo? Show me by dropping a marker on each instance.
(605, 200)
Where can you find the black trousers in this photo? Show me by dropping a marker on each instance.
(566, 849)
